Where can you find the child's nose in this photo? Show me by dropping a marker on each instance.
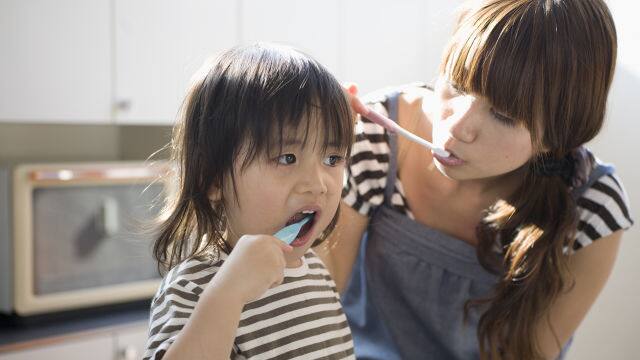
(313, 181)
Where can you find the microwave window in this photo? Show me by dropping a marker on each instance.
(93, 236)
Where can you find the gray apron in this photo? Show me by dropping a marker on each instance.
(409, 285)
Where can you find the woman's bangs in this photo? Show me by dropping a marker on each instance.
(493, 55)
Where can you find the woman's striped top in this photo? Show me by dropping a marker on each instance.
(603, 208)
(300, 319)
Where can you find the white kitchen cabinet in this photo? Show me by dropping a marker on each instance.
(131, 61)
(314, 27)
(395, 42)
(129, 344)
(56, 60)
(105, 61)
(95, 348)
(118, 343)
(159, 44)
(374, 43)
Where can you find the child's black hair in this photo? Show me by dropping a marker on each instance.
(242, 104)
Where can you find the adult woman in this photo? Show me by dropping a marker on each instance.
(499, 250)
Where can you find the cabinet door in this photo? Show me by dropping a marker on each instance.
(95, 348)
(130, 343)
(56, 61)
(311, 26)
(159, 45)
(395, 42)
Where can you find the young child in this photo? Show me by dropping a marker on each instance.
(261, 144)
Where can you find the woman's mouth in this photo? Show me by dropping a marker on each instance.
(451, 160)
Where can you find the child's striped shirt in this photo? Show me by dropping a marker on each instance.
(300, 319)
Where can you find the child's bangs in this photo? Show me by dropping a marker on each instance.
(309, 107)
(317, 123)
(492, 54)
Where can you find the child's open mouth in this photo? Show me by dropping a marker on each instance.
(302, 237)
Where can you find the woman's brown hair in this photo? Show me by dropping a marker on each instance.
(549, 65)
(246, 100)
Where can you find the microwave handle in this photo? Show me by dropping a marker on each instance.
(109, 216)
(115, 173)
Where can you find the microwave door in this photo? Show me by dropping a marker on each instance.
(91, 236)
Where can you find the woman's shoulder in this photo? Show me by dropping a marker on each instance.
(603, 205)
(371, 152)
(368, 164)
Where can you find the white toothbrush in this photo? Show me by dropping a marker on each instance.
(393, 127)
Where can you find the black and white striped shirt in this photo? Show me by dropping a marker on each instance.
(300, 319)
(603, 208)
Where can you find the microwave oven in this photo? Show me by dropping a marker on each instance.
(78, 235)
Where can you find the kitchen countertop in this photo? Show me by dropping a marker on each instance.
(18, 334)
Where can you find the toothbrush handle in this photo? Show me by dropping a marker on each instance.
(393, 127)
(380, 119)
(415, 138)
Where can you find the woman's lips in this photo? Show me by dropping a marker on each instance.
(451, 160)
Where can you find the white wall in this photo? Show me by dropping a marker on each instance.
(610, 331)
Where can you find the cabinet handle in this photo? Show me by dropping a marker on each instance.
(123, 105)
(128, 353)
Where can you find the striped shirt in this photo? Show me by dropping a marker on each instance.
(300, 319)
(603, 208)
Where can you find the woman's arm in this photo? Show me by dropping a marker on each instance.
(590, 268)
(339, 250)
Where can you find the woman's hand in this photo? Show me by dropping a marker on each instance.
(352, 92)
(256, 264)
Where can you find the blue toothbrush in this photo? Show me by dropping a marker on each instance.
(289, 233)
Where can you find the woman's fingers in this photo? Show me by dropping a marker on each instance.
(351, 88)
(356, 104)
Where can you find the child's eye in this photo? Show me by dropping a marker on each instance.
(286, 159)
(502, 118)
(333, 160)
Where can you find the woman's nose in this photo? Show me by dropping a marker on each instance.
(460, 116)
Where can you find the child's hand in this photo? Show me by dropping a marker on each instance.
(256, 264)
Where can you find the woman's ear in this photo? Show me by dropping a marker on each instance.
(214, 194)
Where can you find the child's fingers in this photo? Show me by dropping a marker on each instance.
(285, 247)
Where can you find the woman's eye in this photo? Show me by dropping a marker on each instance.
(457, 89)
(502, 118)
(333, 160)
(286, 159)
